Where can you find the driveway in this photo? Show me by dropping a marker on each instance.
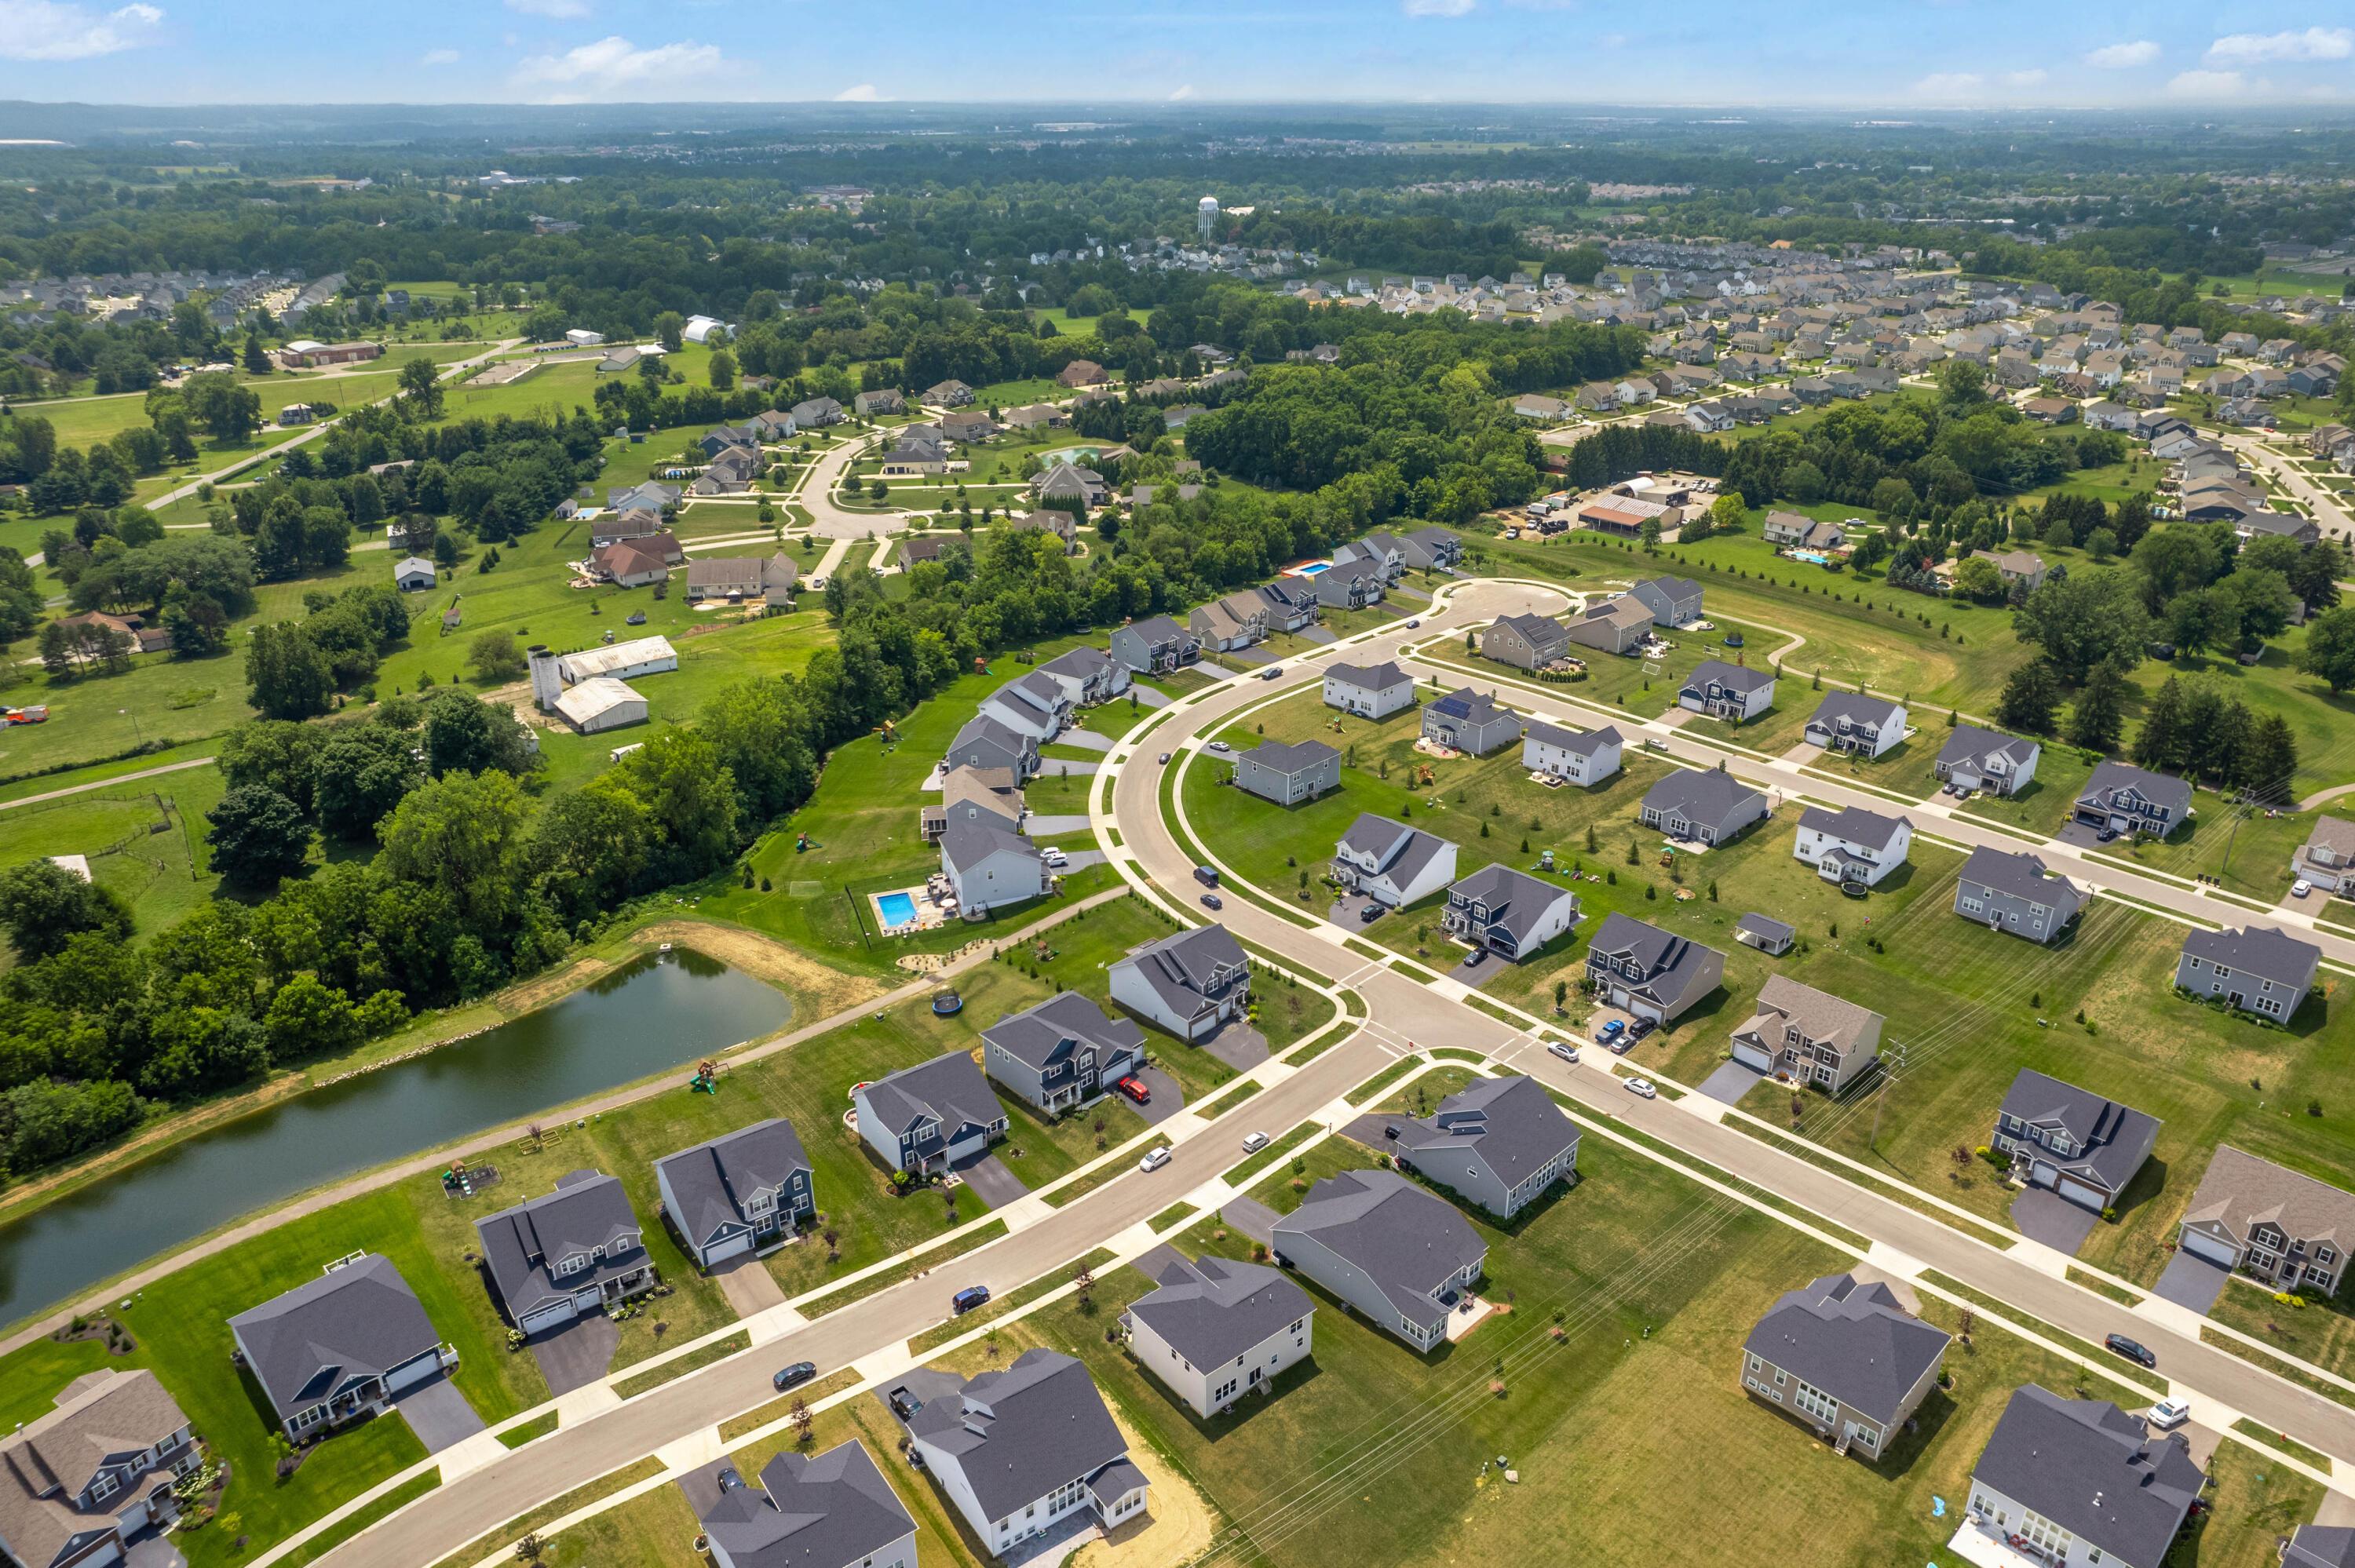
(1047, 824)
(153, 1550)
(1252, 1217)
(1239, 1046)
(578, 1354)
(1253, 656)
(1348, 911)
(2044, 1215)
(1080, 860)
(749, 1286)
(1371, 1129)
(993, 1181)
(2189, 1281)
(1731, 1081)
(439, 1414)
(1149, 698)
(2083, 837)
(1065, 767)
(1323, 634)
(1169, 1096)
(1468, 973)
(1086, 739)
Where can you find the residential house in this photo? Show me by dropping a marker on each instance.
(2261, 970)
(918, 548)
(2320, 1546)
(1019, 1452)
(1855, 723)
(815, 413)
(1852, 845)
(1584, 757)
(1225, 625)
(1288, 772)
(1401, 1257)
(989, 868)
(1620, 625)
(950, 394)
(1155, 646)
(1087, 675)
(1288, 604)
(1724, 691)
(2012, 892)
(986, 795)
(1380, 551)
(1214, 1330)
(635, 563)
(1083, 373)
(1390, 863)
(1059, 524)
(1193, 983)
(1525, 642)
(1368, 691)
(2081, 1481)
(2123, 799)
(1351, 587)
(1541, 408)
(1062, 1052)
(1808, 1036)
(2326, 859)
(833, 1510)
(1469, 721)
(743, 1192)
(1845, 1357)
(2084, 1148)
(341, 1347)
(988, 743)
(1507, 912)
(1071, 485)
(2288, 1230)
(1430, 549)
(1701, 805)
(2278, 525)
(1641, 970)
(1032, 705)
(1500, 1143)
(84, 1478)
(413, 574)
(1794, 528)
(1673, 601)
(931, 1117)
(2022, 570)
(883, 400)
(1976, 758)
(768, 580)
(577, 1249)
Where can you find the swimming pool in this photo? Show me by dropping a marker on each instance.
(1810, 556)
(899, 910)
(1308, 570)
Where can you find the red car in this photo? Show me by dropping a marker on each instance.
(1134, 1090)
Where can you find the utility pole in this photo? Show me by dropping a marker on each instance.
(2242, 808)
(1882, 1099)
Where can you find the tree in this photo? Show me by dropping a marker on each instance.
(286, 676)
(2029, 698)
(2088, 618)
(359, 774)
(464, 733)
(257, 836)
(495, 658)
(2329, 651)
(1727, 515)
(2203, 619)
(2269, 761)
(257, 358)
(2160, 742)
(309, 1019)
(43, 907)
(2315, 575)
(1976, 577)
(1804, 482)
(421, 389)
(1962, 385)
(463, 836)
(670, 330)
(1869, 552)
(723, 370)
(2261, 601)
(2178, 557)
(1649, 532)
(2102, 544)
(225, 407)
(2097, 716)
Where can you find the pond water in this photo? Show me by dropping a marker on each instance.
(657, 1012)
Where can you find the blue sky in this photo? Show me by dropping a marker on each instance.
(1904, 53)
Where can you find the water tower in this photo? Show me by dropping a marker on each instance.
(1205, 217)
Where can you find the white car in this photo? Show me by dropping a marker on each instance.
(1053, 855)
(1154, 1160)
(1642, 1086)
(1220, 746)
(1254, 1143)
(1564, 1050)
(2172, 1411)
(2300, 888)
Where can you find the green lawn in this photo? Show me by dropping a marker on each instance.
(146, 840)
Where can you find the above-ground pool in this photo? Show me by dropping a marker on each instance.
(899, 910)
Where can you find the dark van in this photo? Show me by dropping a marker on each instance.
(971, 1296)
(1207, 875)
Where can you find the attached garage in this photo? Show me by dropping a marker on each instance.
(2043, 1173)
(2085, 1196)
(733, 1245)
(411, 1372)
(548, 1316)
(2215, 1249)
(1753, 1056)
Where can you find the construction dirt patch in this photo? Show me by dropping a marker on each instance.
(1176, 1527)
(817, 992)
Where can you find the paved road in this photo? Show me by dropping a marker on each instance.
(105, 783)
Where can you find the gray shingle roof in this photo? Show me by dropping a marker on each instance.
(1021, 1433)
(1537, 630)
(968, 843)
(1398, 851)
(2094, 1471)
(1471, 707)
(2021, 875)
(1291, 756)
(2110, 778)
(1732, 677)
(2320, 1546)
(1703, 795)
(2113, 1141)
(949, 1088)
(1191, 971)
(1819, 1015)
(359, 1322)
(710, 1180)
(1856, 708)
(1853, 824)
(1514, 899)
(826, 1510)
(1509, 1122)
(1851, 1341)
(1369, 677)
(1578, 743)
(2241, 1190)
(2265, 951)
(981, 729)
(1762, 925)
(1671, 964)
(1970, 743)
(1408, 1242)
(1213, 1310)
(1041, 1033)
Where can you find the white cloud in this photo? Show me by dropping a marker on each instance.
(863, 93)
(2122, 57)
(2020, 80)
(2313, 44)
(1950, 84)
(45, 31)
(440, 58)
(615, 65)
(2208, 84)
(561, 10)
(1182, 94)
(1436, 7)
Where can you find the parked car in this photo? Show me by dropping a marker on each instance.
(2172, 1411)
(1136, 1090)
(792, 1376)
(1642, 1089)
(1369, 914)
(971, 1296)
(1475, 957)
(1212, 901)
(2121, 1345)
(2300, 888)
(1053, 855)
(1255, 1142)
(1611, 1031)
(1640, 1028)
(1564, 1050)
(1220, 746)
(1155, 1160)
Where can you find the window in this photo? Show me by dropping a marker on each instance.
(1815, 1402)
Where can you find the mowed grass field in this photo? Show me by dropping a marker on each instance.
(146, 840)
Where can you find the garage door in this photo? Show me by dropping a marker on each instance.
(2043, 1173)
(2220, 1253)
(545, 1317)
(1750, 1055)
(2078, 1193)
(739, 1243)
